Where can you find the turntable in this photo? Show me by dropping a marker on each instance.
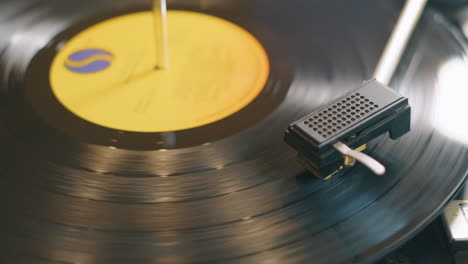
(122, 145)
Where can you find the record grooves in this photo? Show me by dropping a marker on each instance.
(232, 191)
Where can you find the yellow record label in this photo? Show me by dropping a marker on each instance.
(106, 74)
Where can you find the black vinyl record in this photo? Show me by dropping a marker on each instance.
(231, 191)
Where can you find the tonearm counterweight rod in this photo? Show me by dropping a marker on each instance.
(398, 41)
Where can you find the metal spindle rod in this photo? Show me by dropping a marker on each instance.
(161, 34)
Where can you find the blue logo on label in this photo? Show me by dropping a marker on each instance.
(89, 61)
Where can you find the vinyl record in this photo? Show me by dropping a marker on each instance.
(229, 191)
